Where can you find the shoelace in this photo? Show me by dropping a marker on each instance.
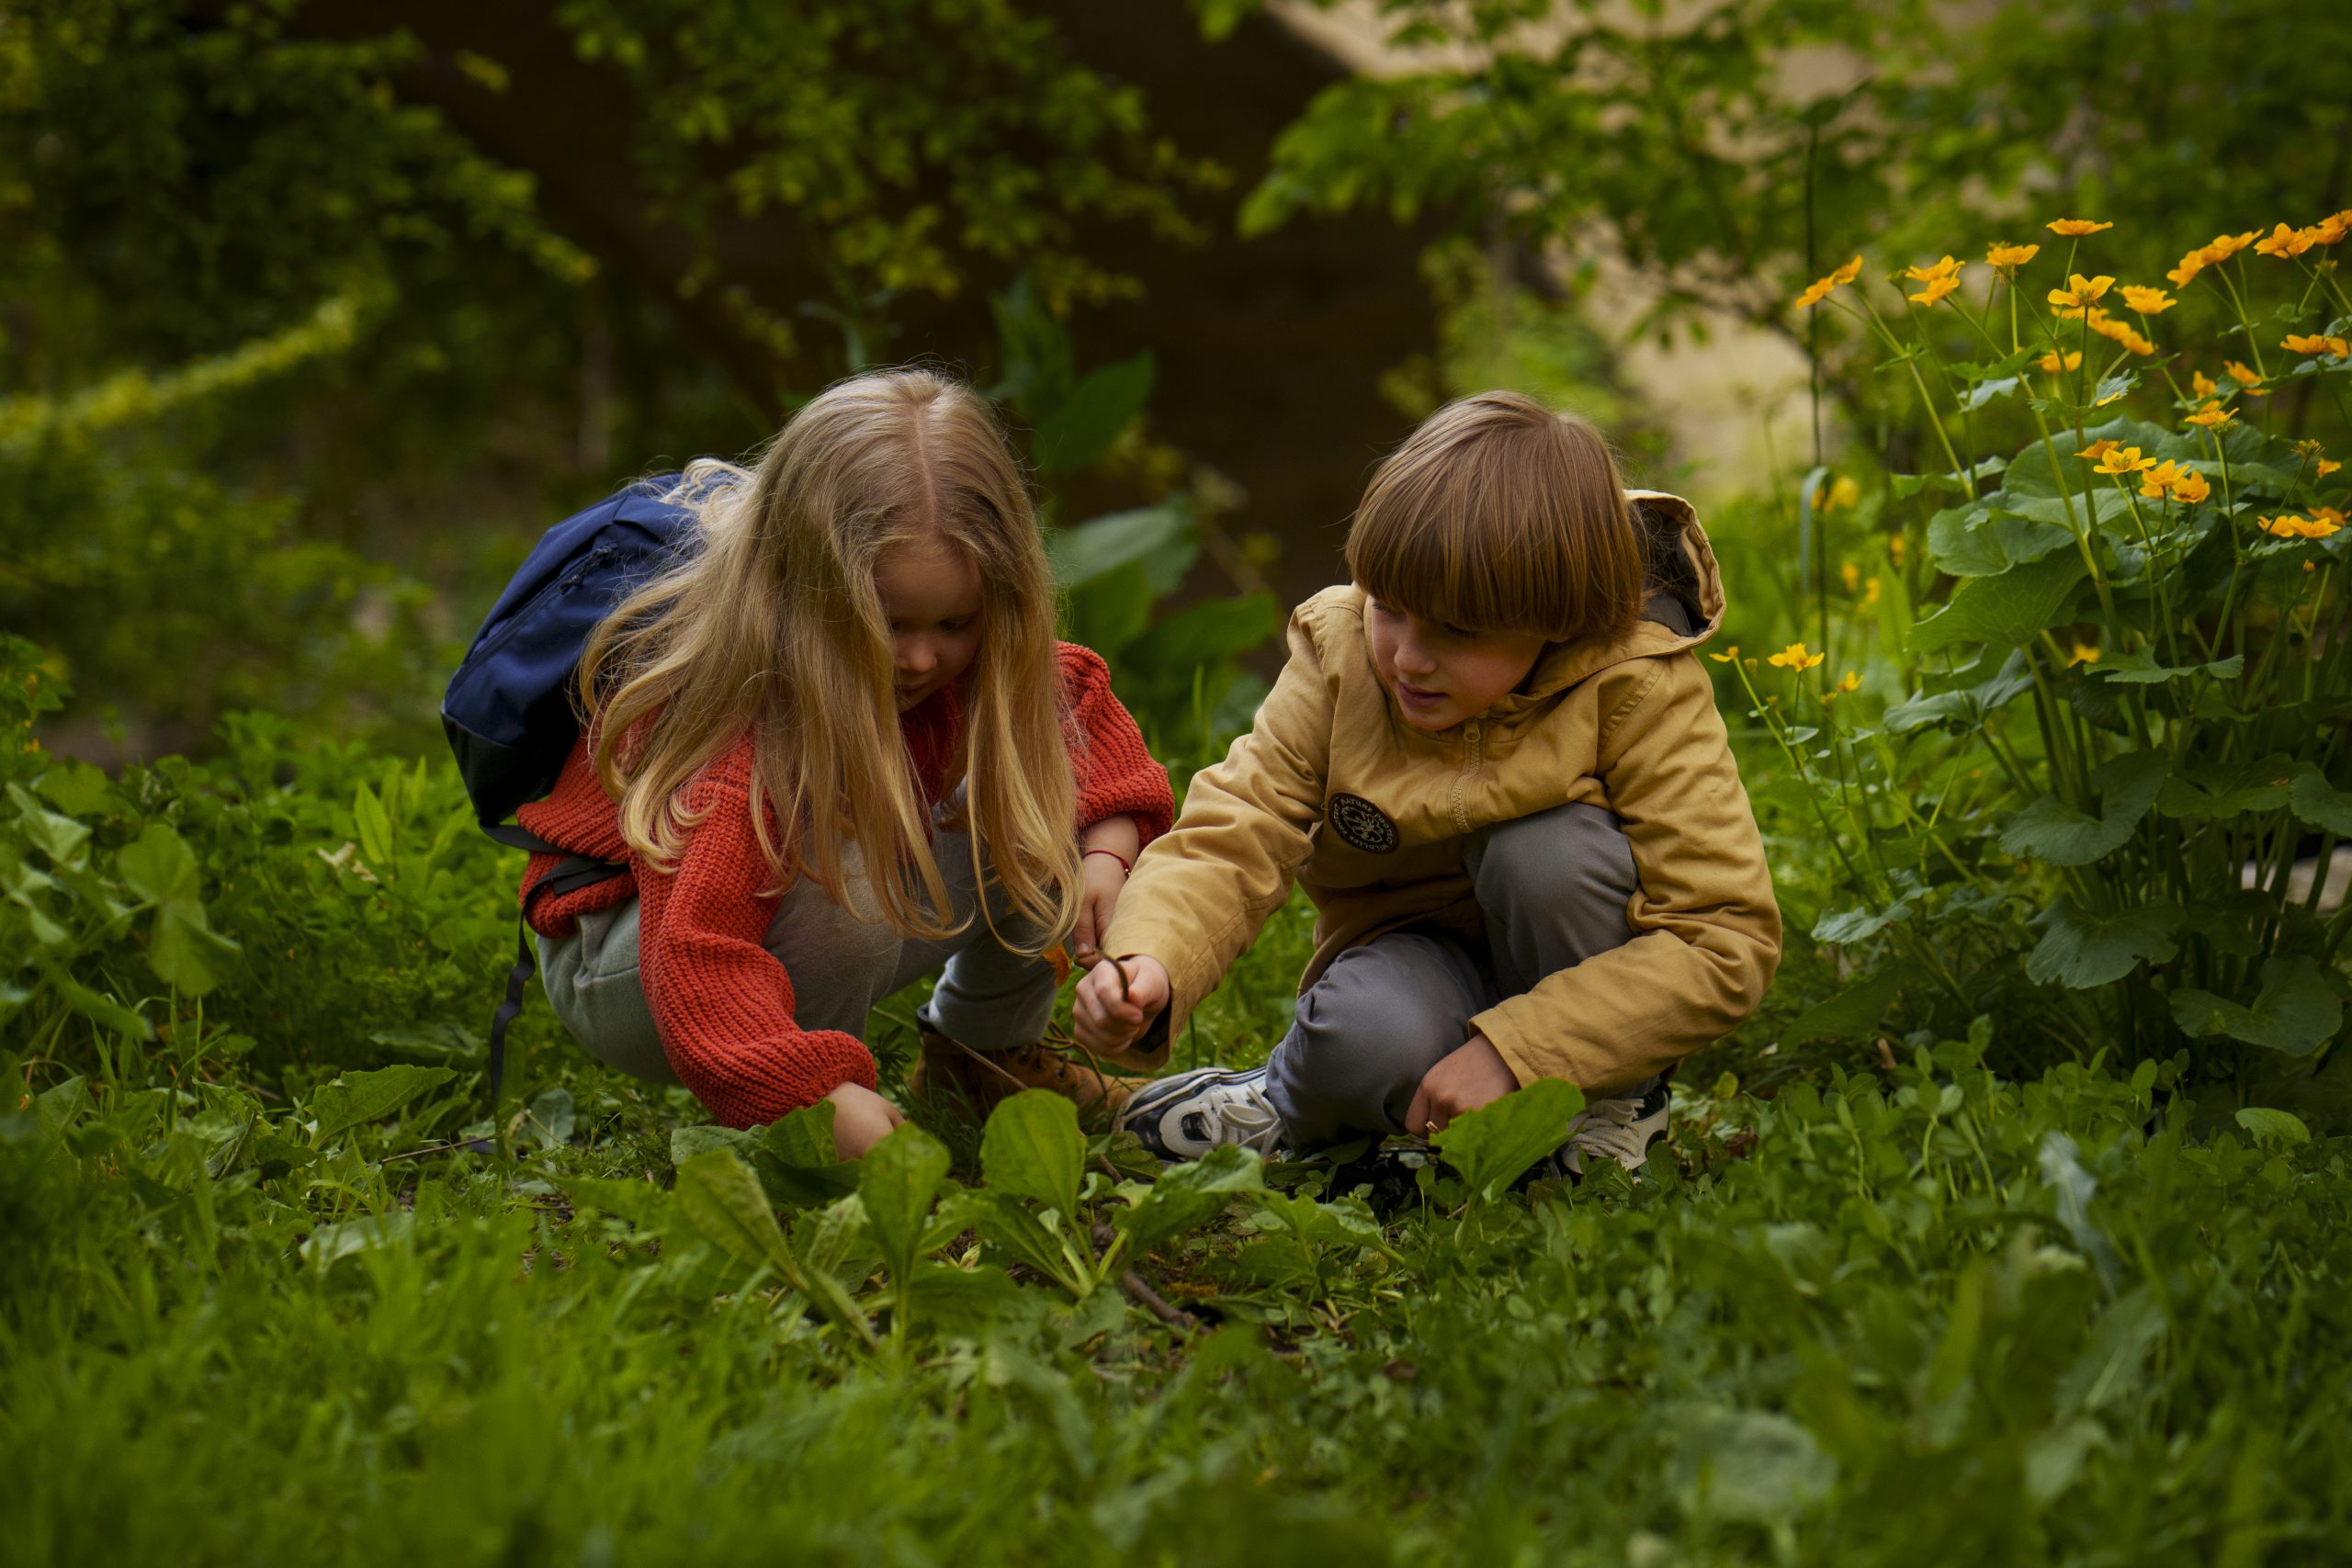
(1238, 1113)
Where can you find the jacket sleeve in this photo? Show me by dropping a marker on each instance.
(1200, 896)
(1116, 775)
(721, 1002)
(1706, 931)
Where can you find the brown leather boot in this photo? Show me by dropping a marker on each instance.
(977, 1082)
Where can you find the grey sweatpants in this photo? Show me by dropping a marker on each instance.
(840, 965)
(1552, 888)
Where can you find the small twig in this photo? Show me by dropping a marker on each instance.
(480, 1145)
(1136, 1289)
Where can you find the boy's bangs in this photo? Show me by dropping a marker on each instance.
(1439, 571)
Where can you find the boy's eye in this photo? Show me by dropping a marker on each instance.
(1453, 631)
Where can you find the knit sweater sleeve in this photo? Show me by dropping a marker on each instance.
(1116, 775)
(721, 1002)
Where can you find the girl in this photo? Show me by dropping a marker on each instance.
(1496, 768)
(837, 747)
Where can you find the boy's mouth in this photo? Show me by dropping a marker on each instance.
(1418, 700)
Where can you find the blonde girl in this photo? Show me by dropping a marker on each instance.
(838, 749)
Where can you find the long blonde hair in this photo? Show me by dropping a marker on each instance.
(774, 625)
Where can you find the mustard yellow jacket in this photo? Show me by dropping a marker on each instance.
(1331, 787)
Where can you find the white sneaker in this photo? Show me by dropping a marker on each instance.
(1185, 1116)
(1622, 1127)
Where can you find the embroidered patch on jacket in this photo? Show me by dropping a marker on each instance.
(1361, 824)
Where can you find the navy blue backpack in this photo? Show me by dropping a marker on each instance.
(509, 710)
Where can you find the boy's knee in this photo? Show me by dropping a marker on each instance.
(1572, 856)
(1366, 1019)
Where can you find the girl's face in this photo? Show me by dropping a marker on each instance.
(931, 595)
(1441, 675)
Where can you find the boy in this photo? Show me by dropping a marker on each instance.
(1496, 767)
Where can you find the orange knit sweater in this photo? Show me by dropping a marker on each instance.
(722, 1003)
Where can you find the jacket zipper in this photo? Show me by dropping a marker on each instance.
(1474, 736)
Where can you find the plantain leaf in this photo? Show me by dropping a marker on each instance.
(1032, 1148)
(357, 1098)
(1493, 1145)
(2296, 1012)
(896, 1181)
(2079, 949)
(1190, 1195)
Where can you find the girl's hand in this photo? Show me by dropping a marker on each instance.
(1101, 877)
(861, 1120)
(1102, 1019)
(1472, 1076)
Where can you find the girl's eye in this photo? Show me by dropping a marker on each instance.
(962, 623)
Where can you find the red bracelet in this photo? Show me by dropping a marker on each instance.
(1125, 863)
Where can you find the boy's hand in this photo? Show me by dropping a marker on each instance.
(861, 1120)
(1102, 1019)
(1101, 877)
(1472, 1076)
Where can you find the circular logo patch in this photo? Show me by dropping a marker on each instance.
(1360, 823)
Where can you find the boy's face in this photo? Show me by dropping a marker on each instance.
(1441, 675)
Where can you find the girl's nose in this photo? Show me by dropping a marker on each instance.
(917, 657)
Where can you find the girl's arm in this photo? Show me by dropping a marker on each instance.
(1117, 774)
(1706, 929)
(721, 1002)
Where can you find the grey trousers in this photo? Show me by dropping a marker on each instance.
(839, 965)
(1552, 888)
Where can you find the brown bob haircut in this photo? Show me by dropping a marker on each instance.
(1500, 515)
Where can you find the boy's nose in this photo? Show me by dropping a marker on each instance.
(1414, 660)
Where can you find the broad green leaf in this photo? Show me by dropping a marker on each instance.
(1084, 425)
(96, 1007)
(2034, 471)
(62, 839)
(327, 1244)
(2214, 792)
(896, 1181)
(685, 1142)
(2296, 1012)
(374, 830)
(1032, 1148)
(359, 1098)
(2319, 803)
(2114, 1356)
(185, 952)
(968, 1302)
(797, 1161)
(1854, 1010)
(1205, 633)
(1190, 1195)
(1859, 925)
(1976, 541)
(159, 866)
(2079, 949)
(79, 790)
(721, 1198)
(2061, 835)
(1159, 539)
(1493, 1145)
(1111, 611)
(641, 1203)
(2269, 1127)
(1005, 1222)
(2006, 611)
(2139, 667)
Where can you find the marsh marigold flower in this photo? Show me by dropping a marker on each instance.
(2083, 653)
(1869, 591)
(2204, 386)
(1936, 292)
(2120, 333)
(1850, 683)
(2157, 481)
(2190, 489)
(2055, 364)
(1849, 574)
(2213, 416)
(2284, 242)
(2075, 228)
(2147, 301)
(2081, 292)
(1940, 277)
(1837, 493)
(2332, 228)
(2312, 344)
(2097, 449)
(1795, 656)
(2119, 460)
(1727, 656)
(2287, 525)
(2006, 259)
(2243, 375)
(2191, 266)
(2224, 246)
(1821, 289)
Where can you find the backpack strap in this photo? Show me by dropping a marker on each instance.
(574, 872)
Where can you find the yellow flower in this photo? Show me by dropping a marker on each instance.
(1894, 547)
(2314, 344)
(2190, 489)
(2326, 465)
(1726, 656)
(1936, 292)
(2332, 226)
(1852, 575)
(2075, 228)
(2191, 266)
(2122, 461)
(2054, 364)
(2287, 525)
(2081, 292)
(1795, 657)
(2242, 375)
(2329, 515)
(1869, 591)
(2310, 566)
(1821, 289)
(2147, 301)
(2213, 416)
(2224, 246)
(2097, 449)
(2159, 479)
(2084, 653)
(2006, 259)
(2285, 242)
(1948, 267)
(1851, 682)
(2204, 386)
